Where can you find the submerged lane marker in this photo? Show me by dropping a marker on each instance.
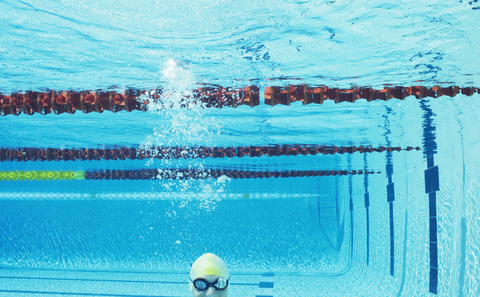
(34, 175)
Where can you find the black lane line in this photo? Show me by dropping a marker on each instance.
(431, 187)
(350, 192)
(82, 294)
(367, 205)
(86, 270)
(266, 283)
(111, 280)
(113, 271)
(91, 280)
(390, 190)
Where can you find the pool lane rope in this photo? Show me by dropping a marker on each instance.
(166, 174)
(58, 102)
(132, 153)
(34, 175)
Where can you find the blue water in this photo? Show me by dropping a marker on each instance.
(379, 234)
(93, 44)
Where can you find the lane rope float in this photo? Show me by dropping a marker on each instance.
(167, 174)
(36, 175)
(123, 153)
(58, 102)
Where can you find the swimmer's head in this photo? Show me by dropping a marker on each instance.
(211, 268)
(209, 264)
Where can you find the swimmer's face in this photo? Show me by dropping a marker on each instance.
(211, 291)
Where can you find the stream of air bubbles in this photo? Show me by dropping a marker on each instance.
(182, 122)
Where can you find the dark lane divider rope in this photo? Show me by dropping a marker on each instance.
(165, 174)
(58, 102)
(181, 174)
(123, 153)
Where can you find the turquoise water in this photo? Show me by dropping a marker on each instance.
(388, 233)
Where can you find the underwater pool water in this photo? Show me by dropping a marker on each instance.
(371, 198)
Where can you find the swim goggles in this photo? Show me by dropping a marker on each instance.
(202, 284)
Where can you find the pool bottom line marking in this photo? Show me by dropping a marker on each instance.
(266, 285)
(432, 186)
(36, 293)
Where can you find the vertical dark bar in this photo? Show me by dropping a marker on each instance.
(350, 190)
(390, 190)
(367, 205)
(431, 186)
(432, 204)
(433, 283)
(392, 241)
(392, 263)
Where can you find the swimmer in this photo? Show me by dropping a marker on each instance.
(209, 277)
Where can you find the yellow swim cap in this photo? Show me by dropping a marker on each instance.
(209, 264)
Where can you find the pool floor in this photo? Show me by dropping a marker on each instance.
(51, 282)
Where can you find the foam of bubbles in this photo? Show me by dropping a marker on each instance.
(182, 123)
